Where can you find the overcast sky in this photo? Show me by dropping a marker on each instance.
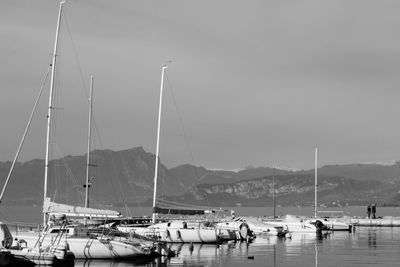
(254, 82)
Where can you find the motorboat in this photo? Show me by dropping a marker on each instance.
(249, 226)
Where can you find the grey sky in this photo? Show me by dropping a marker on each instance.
(256, 82)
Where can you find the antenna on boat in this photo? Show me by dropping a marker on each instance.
(158, 140)
(316, 183)
(49, 114)
(87, 185)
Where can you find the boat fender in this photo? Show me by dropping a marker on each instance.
(244, 230)
(66, 245)
(167, 234)
(178, 234)
(60, 251)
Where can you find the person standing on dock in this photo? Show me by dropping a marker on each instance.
(369, 211)
(373, 209)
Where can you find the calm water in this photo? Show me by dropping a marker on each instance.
(365, 247)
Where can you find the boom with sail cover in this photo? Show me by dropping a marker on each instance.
(50, 208)
(179, 211)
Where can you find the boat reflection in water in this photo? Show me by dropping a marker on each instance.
(375, 247)
(226, 254)
(111, 263)
(231, 253)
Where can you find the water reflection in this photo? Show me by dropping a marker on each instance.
(111, 263)
(334, 249)
(372, 238)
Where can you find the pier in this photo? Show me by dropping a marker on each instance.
(380, 222)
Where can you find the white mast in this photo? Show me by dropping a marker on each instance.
(158, 142)
(88, 144)
(53, 64)
(316, 182)
(273, 190)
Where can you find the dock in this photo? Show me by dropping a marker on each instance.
(379, 222)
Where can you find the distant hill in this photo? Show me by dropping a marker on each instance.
(122, 176)
(294, 190)
(388, 173)
(127, 176)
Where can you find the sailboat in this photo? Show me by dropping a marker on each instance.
(173, 231)
(331, 224)
(292, 223)
(81, 242)
(256, 226)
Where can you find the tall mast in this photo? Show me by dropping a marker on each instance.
(49, 114)
(88, 144)
(158, 142)
(273, 190)
(316, 183)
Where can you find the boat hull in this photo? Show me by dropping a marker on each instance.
(254, 226)
(335, 225)
(35, 257)
(94, 248)
(175, 235)
(296, 226)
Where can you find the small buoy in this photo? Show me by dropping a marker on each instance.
(250, 257)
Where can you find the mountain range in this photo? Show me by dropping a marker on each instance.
(127, 177)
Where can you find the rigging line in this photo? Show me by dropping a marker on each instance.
(56, 100)
(108, 163)
(128, 212)
(82, 76)
(98, 139)
(171, 202)
(182, 204)
(185, 207)
(180, 120)
(73, 178)
(132, 187)
(68, 172)
(25, 133)
(183, 129)
(126, 172)
(76, 57)
(97, 132)
(93, 202)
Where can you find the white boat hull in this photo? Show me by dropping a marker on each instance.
(337, 225)
(93, 248)
(175, 235)
(255, 226)
(34, 256)
(296, 226)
